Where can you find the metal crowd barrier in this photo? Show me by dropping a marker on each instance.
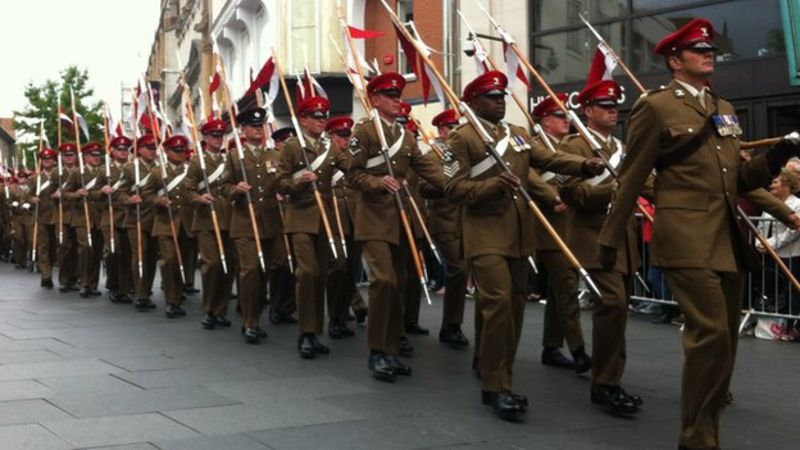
(768, 292)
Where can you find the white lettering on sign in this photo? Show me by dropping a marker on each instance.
(572, 99)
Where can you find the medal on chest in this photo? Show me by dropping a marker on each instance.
(519, 144)
(727, 125)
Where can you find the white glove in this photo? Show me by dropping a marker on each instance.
(15, 204)
(793, 137)
(26, 206)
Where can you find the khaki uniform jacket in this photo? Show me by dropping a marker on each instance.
(195, 187)
(302, 212)
(77, 214)
(588, 201)
(376, 215)
(444, 216)
(695, 197)
(48, 209)
(156, 188)
(21, 207)
(490, 210)
(68, 202)
(115, 181)
(128, 188)
(261, 169)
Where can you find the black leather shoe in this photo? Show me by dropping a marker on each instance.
(275, 318)
(506, 405)
(141, 304)
(84, 292)
(634, 398)
(487, 397)
(190, 290)
(95, 293)
(251, 335)
(209, 322)
(287, 318)
(47, 283)
(361, 315)
(149, 304)
(339, 331)
(453, 337)
(180, 311)
(581, 361)
(305, 345)
(170, 311)
(405, 348)
(553, 357)
(319, 347)
(123, 298)
(404, 370)
(614, 399)
(66, 288)
(414, 328)
(223, 322)
(381, 367)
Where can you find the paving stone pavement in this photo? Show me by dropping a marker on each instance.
(84, 373)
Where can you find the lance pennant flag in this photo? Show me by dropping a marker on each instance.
(603, 65)
(358, 33)
(215, 82)
(267, 75)
(513, 66)
(308, 86)
(425, 75)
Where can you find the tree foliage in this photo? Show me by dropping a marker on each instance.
(43, 100)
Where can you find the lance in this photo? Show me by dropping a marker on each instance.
(490, 147)
(376, 121)
(232, 108)
(107, 141)
(406, 190)
(137, 179)
(38, 189)
(207, 185)
(427, 138)
(573, 117)
(81, 167)
(60, 175)
(742, 214)
(760, 143)
(304, 153)
(164, 185)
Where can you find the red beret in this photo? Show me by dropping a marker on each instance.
(604, 93)
(48, 153)
(489, 82)
(446, 117)
(338, 124)
(176, 141)
(92, 147)
(68, 147)
(213, 125)
(389, 81)
(405, 108)
(317, 107)
(696, 34)
(146, 140)
(548, 106)
(121, 141)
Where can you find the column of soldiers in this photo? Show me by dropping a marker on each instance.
(252, 208)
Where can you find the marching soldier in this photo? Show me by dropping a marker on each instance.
(168, 197)
(562, 314)
(130, 194)
(84, 188)
(588, 201)
(377, 219)
(343, 289)
(118, 263)
(304, 224)
(444, 224)
(47, 185)
(68, 248)
(260, 172)
(217, 284)
(497, 231)
(22, 218)
(5, 215)
(690, 135)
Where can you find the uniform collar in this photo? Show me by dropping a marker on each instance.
(693, 91)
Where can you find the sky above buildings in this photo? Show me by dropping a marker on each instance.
(110, 38)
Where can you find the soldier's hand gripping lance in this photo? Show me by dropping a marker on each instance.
(490, 148)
